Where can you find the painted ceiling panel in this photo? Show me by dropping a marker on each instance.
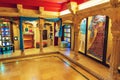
(51, 5)
(8, 5)
(56, 1)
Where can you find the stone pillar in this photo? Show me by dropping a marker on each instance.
(76, 36)
(72, 38)
(115, 56)
(59, 38)
(41, 22)
(73, 8)
(76, 45)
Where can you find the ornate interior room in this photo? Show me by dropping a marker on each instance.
(61, 39)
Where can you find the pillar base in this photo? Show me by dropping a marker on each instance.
(22, 53)
(41, 51)
(76, 57)
(113, 74)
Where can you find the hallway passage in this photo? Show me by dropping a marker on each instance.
(42, 68)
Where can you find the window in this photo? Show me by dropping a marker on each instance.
(67, 35)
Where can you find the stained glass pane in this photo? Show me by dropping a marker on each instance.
(65, 34)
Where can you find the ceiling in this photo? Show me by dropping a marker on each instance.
(49, 5)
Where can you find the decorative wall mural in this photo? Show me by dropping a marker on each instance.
(96, 36)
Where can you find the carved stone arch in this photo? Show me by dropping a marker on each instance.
(67, 22)
(79, 19)
(67, 17)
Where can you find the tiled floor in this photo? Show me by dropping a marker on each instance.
(45, 68)
(86, 62)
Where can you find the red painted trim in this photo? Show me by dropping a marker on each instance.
(8, 19)
(49, 5)
(79, 1)
(56, 1)
(30, 7)
(52, 9)
(31, 3)
(8, 5)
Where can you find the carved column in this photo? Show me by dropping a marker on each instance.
(115, 56)
(76, 36)
(73, 8)
(59, 38)
(41, 22)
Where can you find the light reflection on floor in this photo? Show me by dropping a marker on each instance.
(2, 68)
(67, 51)
(49, 68)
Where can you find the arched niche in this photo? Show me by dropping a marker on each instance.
(67, 22)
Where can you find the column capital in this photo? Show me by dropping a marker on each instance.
(20, 8)
(41, 10)
(73, 7)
